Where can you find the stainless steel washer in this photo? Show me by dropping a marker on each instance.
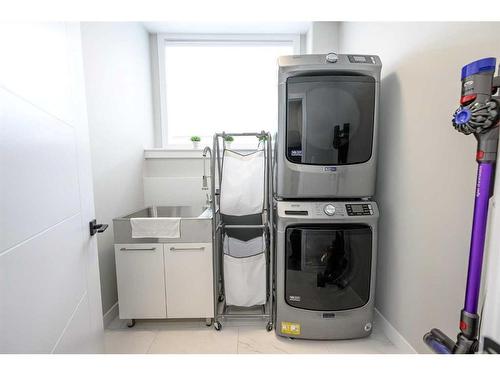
(325, 268)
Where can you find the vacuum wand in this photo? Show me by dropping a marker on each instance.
(478, 114)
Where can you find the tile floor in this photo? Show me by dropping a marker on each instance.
(193, 337)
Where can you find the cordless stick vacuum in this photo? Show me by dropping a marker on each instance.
(478, 114)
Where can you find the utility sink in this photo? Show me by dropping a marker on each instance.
(195, 225)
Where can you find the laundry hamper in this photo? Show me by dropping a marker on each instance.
(242, 202)
(242, 235)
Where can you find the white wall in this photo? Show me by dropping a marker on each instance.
(175, 181)
(322, 37)
(426, 170)
(490, 323)
(118, 85)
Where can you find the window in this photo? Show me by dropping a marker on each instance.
(214, 84)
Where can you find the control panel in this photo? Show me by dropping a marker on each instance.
(361, 59)
(326, 209)
(359, 209)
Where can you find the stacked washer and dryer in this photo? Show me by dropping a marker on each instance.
(324, 178)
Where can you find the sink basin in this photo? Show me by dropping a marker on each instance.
(185, 212)
(195, 224)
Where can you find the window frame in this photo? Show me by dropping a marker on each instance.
(158, 63)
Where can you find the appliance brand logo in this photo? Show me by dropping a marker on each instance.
(294, 298)
(330, 169)
(478, 184)
(296, 152)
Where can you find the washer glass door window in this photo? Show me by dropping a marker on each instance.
(328, 267)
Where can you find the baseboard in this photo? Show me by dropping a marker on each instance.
(110, 315)
(393, 334)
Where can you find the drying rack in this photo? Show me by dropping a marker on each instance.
(224, 312)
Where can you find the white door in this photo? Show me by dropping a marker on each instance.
(49, 277)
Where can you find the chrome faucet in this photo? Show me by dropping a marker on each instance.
(205, 178)
(205, 150)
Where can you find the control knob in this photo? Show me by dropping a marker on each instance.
(332, 57)
(329, 209)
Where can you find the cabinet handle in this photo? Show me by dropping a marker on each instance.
(138, 249)
(187, 248)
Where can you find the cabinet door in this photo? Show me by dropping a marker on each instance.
(141, 281)
(189, 280)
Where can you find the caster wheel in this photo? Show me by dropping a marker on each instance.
(131, 323)
(208, 322)
(217, 326)
(221, 298)
(269, 327)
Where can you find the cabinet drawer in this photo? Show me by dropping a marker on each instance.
(189, 280)
(140, 279)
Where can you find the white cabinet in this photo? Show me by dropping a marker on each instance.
(189, 280)
(165, 280)
(141, 281)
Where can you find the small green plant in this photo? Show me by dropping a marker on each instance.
(195, 138)
(228, 138)
(262, 137)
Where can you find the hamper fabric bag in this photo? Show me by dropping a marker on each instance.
(244, 271)
(242, 185)
(245, 280)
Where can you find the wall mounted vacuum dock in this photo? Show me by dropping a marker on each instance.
(328, 109)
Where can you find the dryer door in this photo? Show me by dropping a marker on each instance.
(330, 119)
(328, 267)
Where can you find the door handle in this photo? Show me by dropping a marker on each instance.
(187, 248)
(96, 228)
(138, 249)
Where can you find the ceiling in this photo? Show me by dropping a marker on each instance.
(228, 27)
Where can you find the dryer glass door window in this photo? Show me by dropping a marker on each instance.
(330, 119)
(328, 267)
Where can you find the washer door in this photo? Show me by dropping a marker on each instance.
(328, 267)
(330, 119)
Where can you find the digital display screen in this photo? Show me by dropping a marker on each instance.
(357, 208)
(359, 58)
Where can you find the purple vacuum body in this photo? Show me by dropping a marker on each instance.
(483, 189)
(478, 115)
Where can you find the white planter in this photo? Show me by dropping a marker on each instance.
(228, 145)
(196, 145)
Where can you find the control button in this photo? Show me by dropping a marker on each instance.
(329, 209)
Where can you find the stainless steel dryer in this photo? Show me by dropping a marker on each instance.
(327, 126)
(325, 268)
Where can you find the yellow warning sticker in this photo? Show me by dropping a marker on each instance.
(289, 328)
